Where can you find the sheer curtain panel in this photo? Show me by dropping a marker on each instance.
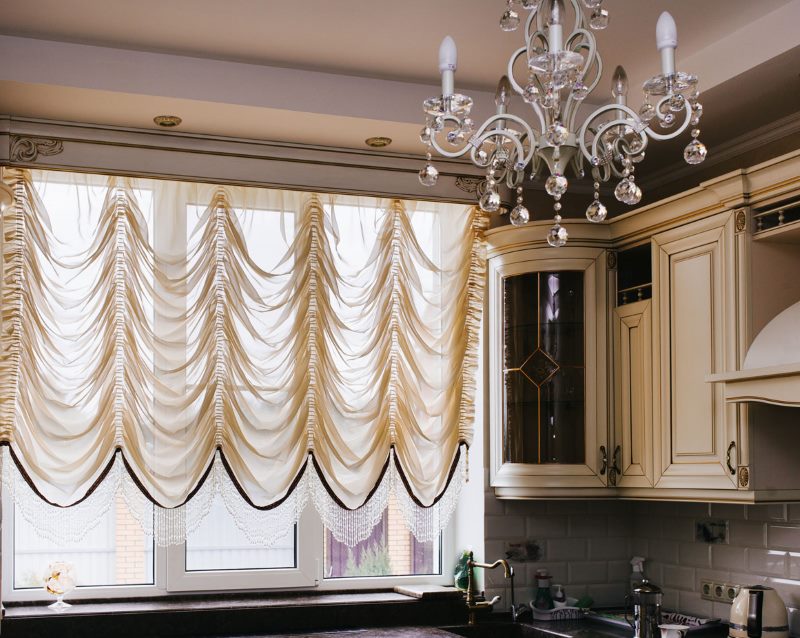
(173, 341)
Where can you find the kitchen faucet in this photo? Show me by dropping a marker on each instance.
(472, 605)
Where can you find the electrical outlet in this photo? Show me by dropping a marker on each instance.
(718, 592)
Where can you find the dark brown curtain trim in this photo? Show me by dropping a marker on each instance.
(104, 473)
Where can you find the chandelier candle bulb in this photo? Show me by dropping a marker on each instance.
(667, 42)
(555, 25)
(448, 63)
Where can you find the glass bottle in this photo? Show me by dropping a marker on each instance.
(544, 599)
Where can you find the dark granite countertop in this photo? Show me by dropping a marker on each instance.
(386, 632)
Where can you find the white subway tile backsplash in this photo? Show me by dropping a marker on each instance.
(679, 529)
(566, 549)
(689, 602)
(589, 526)
(727, 510)
(793, 514)
(588, 572)
(748, 533)
(542, 527)
(767, 512)
(783, 536)
(694, 554)
(728, 557)
(678, 577)
(766, 561)
(587, 546)
(504, 527)
(609, 548)
(567, 507)
(664, 551)
(619, 571)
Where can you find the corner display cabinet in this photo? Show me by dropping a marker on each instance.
(546, 331)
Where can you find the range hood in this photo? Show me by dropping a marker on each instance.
(771, 370)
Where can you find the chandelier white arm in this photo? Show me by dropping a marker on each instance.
(561, 73)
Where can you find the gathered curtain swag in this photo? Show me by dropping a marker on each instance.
(172, 342)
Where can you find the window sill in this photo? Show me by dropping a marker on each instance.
(232, 614)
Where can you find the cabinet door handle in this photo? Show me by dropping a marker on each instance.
(603, 460)
(616, 458)
(731, 448)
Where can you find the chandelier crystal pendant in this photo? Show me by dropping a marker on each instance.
(562, 70)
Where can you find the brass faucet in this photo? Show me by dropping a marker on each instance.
(472, 605)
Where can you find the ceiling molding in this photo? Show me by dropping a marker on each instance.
(731, 149)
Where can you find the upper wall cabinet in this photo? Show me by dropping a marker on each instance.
(547, 328)
(696, 330)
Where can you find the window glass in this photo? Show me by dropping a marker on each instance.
(115, 552)
(218, 544)
(391, 550)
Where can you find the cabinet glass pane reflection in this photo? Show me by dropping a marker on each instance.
(543, 365)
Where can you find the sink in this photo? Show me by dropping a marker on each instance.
(495, 630)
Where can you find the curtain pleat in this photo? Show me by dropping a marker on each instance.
(290, 341)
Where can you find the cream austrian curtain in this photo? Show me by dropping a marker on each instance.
(173, 342)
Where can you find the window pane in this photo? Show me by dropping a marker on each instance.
(391, 550)
(218, 544)
(115, 552)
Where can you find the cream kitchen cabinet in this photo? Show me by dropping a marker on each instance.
(633, 456)
(547, 362)
(695, 330)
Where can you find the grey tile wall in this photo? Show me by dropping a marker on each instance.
(586, 545)
(764, 547)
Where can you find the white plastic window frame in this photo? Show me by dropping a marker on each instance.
(170, 575)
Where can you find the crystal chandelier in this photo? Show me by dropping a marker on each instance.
(562, 70)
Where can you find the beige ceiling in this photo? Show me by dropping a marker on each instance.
(394, 39)
(358, 68)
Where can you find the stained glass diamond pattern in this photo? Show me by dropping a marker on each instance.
(539, 367)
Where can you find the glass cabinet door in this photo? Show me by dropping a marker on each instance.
(543, 368)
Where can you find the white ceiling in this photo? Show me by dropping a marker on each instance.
(363, 66)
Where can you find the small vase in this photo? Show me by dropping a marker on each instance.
(60, 605)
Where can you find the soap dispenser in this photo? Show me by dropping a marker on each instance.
(637, 573)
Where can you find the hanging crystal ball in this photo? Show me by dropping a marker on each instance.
(695, 152)
(509, 21)
(647, 112)
(557, 236)
(634, 196)
(428, 176)
(580, 91)
(530, 93)
(425, 134)
(624, 189)
(519, 215)
(596, 211)
(490, 201)
(599, 20)
(556, 185)
(557, 134)
(677, 103)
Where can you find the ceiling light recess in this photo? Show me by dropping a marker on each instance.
(378, 142)
(167, 121)
(561, 70)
